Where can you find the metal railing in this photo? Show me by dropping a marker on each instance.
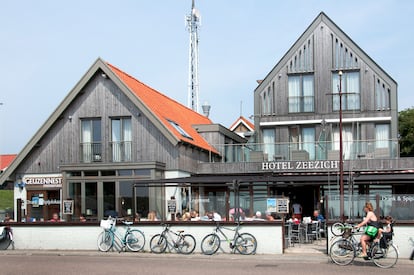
(91, 151)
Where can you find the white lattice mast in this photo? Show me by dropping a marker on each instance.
(193, 23)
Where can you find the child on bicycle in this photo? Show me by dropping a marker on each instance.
(385, 232)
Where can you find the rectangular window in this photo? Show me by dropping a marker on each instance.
(382, 136)
(91, 147)
(301, 93)
(349, 89)
(269, 143)
(121, 139)
(349, 146)
(302, 139)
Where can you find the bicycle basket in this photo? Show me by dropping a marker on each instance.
(347, 232)
(106, 224)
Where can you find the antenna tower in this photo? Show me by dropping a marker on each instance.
(193, 23)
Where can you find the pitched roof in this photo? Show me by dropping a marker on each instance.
(244, 121)
(177, 118)
(5, 160)
(322, 18)
(159, 108)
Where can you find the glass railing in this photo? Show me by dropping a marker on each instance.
(326, 150)
(398, 206)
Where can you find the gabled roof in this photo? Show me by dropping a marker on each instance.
(244, 121)
(168, 111)
(159, 109)
(5, 160)
(322, 18)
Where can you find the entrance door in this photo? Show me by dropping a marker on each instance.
(306, 196)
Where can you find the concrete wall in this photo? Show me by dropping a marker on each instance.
(58, 237)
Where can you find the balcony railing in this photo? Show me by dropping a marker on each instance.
(91, 152)
(121, 151)
(326, 150)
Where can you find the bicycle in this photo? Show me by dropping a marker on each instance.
(244, 243)
(343, 251)
(182, 243)
(6, 238)
(133, 239)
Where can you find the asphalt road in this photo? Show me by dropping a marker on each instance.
(57, 262)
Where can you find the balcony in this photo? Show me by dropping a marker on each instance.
(327, 150)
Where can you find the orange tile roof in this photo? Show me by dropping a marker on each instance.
(167, 109)
(5, 160)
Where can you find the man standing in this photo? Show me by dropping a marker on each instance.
(297, 211)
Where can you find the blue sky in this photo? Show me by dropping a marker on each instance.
(47, 46)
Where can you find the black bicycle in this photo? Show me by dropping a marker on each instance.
(6, 238)
(182, 243)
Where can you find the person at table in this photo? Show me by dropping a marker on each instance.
(55, 218)
(369, 220)
(317, 216)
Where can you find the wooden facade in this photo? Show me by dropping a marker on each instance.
(316, 53)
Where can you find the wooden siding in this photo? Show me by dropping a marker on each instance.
(100, 98)
(324, 35)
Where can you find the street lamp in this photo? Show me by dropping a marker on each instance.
(341, 163)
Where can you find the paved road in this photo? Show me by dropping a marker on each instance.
(73, 262)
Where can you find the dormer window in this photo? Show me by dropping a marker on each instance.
(179, 129)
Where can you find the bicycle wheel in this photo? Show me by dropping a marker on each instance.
(384, 257)
(187, 244)
(135, 240)
(342, 252)
(158, 244)
(246, 244)
(210, 244)
(5, 242)
(105, 240)
(337, 229)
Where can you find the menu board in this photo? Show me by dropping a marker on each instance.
(282, 205)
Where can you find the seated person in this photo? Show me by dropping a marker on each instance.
(55, 218)
(318, 216)
(387, 231)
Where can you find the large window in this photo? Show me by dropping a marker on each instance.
(121, 139)
(348, 140)
(302, 139)
(382, 135)
(269, 143)
(350, 91)
(91, 147)
(301, 93)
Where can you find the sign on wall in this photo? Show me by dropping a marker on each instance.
(68, 207)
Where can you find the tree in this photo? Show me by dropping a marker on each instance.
(406, 132)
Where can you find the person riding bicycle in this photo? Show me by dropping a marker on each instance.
(371, 221)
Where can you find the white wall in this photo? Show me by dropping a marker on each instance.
(269, 238)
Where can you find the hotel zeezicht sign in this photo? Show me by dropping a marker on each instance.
(301, 165)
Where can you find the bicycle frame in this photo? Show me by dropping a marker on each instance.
(219, 231)
(170, 236)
